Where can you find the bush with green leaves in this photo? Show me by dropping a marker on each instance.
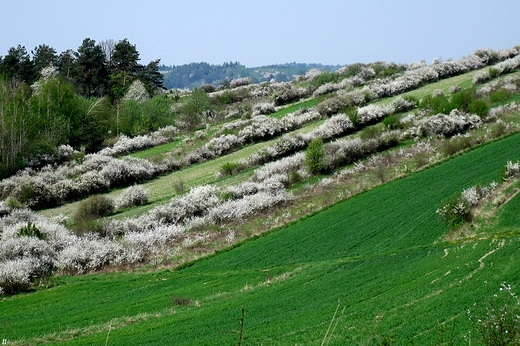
(230, 168)
(315, 156)
(94, 207)
(499, 95)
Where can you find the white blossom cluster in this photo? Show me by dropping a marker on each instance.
(233, 125)
(503, 109)
(235, 83)
(264, 108)
(417, 76)
(66, 152)
(97, 173)
(511, 170)
(328, 88)
(284, 146)
(510, 83)
(347, 151)
(299, 118)
(374, 113)
(365, 74)
(444, 125)
(125, 144)
(261, 127)
(286, 92)
(506, 66)
(249, 204)
(282, 166)
(312, 74)
(224, 144)
(335, 126)
(335, 104)
(131, 196)
(468, 199)
(509, 65)
(47, 73)
(136, 92)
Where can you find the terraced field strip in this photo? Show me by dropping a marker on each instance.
(162, 188)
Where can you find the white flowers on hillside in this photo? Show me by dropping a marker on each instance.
(444, 125)
(132, 196)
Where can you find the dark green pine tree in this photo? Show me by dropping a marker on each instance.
(91, 71)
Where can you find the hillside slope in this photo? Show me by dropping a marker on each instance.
(381, 256)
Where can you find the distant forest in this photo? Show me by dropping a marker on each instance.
(195, 74)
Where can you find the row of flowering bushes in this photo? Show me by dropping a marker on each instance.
(506, 66)
(125, 144)
(414, 78)
(33, 247)
(336, 126)
(95, 174)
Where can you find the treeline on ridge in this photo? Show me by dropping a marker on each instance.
(74, 98)
(197, 74)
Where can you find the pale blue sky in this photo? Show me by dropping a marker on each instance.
(257, 33)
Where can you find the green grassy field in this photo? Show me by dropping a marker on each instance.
(381, 255)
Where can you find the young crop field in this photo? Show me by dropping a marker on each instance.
(380, 257)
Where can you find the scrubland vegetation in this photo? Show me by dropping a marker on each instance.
(378, 199)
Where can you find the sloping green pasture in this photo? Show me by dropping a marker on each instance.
(381, 255)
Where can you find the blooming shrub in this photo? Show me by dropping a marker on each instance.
(238, 209)
(132, 196)
(137, 92)
(15, 275)
(235, 83)
(481, 77)
(337, 125)
(334, 105)
(224, 144)
(459, 210)
(88, 253)
(262, 127)
(298, 118)
(283, 166)
(510, 170)
(22, 259)
(444, 125)
(327, 88)
(125, 144)
(342, 152)
(284, 93)
(263, 108)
